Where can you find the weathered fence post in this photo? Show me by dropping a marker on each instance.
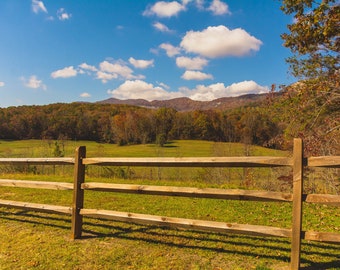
(78, 192)
(297, 204)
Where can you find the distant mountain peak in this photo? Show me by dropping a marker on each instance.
(187, 104)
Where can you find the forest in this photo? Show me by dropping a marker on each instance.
(270, 123)
(124, 124)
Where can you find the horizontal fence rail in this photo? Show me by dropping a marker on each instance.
(192, 162)
(326, 162)
(213, 226)
(36, 184)
(37, 161)
(77, 211)
(47, 208)
(227, 194)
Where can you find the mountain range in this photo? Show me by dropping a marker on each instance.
(187, 104)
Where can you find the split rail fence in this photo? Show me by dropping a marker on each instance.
(77, 211)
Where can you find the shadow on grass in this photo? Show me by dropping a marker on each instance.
(166, 145)
(55, 221)
(270, 248)
(315, 255)
(323, 266)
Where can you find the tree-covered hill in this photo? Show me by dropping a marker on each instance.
(124, 124)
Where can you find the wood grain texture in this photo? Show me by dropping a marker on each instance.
(192, 162)
(324, 161)
(36, 184)
(191, 224)
(214, 193)
(47, 208)
(37, 161)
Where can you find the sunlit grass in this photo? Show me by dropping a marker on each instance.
(183, 148)
(42, 241)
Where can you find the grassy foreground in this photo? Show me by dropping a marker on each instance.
(31, 240)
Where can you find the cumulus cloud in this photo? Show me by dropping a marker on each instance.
(85, 95)
(199, 4)
(170, 49)
(118, 70)
(2, 84)
(219, 41)
(196, 75)
(163, 85)
(63, 15)
(218, 90)
(38, 6)
(85, 66)
(140, 89)
(196, 63)
(164, 9)
(104, 76)
(141, 63)
(115, 68)
(106, 71)
(66, 72)
(136, 89)
(34, 82)
(161, 27)
(218, 7)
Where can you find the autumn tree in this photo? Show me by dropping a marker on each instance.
(314, 40)
(164, 119)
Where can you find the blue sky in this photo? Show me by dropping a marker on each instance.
(86, 50)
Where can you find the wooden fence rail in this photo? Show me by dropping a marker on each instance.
(77, 210)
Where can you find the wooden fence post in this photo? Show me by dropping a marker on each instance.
(297, 204)
(78, 192)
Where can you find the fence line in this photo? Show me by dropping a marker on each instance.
(77, 210)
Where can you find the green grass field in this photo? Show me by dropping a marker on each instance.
(31, 240)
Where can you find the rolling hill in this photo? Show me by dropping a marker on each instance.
(187, 104)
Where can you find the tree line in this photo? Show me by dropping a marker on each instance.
(124, 124)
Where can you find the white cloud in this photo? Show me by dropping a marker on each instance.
(38, 6)
(196, 63)
(170, 49)
(108, 71)
(85, 95)
(2, 84)
(219, 90)
(104, 76)
(141, 63)
(219, 8)
(219, 41)
(163, 85)
(85, 66)
(199, 4)
(161, 27)
(34, 82)
(140, 89)
(196, 75)
(66, 72)
(185, 2)
(116, 69)
(164, 9)
(63, 15)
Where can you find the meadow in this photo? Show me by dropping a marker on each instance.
(32, 240)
